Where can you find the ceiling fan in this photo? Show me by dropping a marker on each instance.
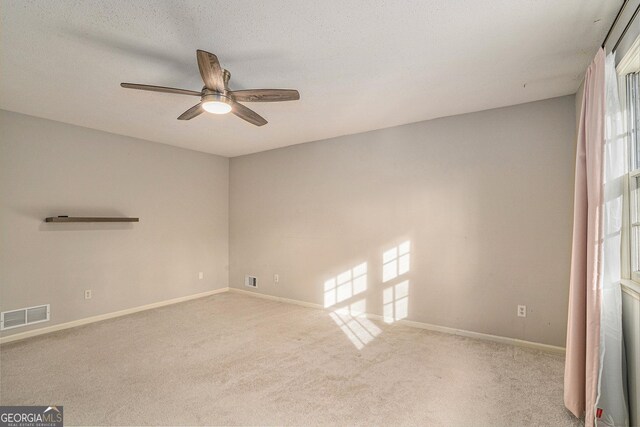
(215, 96)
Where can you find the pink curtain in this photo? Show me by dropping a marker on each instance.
(583, 326)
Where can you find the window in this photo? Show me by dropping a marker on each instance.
(632, 95)
(633, 126)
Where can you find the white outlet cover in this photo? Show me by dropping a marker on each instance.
(522, 311)
(87, 294)
(201, 275)
(276, 278)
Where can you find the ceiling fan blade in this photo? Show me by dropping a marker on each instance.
(160, 89)
(210, 70)
(247, 114)
(192, 112)
(266, 95)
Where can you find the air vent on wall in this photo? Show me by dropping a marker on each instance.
(251, 281)
(24, 316)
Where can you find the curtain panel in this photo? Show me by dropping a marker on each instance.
(583, 325)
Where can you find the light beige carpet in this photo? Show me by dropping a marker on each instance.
(231, 359)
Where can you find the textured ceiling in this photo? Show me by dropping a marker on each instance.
(359, 65)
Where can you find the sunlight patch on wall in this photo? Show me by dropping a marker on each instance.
(345, 285)
(396, 262)
(395, 300)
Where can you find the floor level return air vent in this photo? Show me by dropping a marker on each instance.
(251, 281)
(23, 317)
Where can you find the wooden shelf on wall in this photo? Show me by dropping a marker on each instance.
(89, 219)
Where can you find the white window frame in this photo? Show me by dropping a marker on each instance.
(631, 213)
(634, 224)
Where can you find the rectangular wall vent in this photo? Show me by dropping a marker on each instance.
(24, 316)
(251, 281)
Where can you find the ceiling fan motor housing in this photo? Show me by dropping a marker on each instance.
(210, 96)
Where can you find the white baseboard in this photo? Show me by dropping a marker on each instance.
(487, 337)
(436, 328)
(279, 299)
(92, 319)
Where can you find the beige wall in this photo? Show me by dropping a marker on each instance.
(49, 168)
(484, 198)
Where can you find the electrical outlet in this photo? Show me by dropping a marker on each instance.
(522, 311)
(276, 278)
(201, 275)
(87, 294)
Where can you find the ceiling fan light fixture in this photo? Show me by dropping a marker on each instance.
(216, 107)
(216, 104)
